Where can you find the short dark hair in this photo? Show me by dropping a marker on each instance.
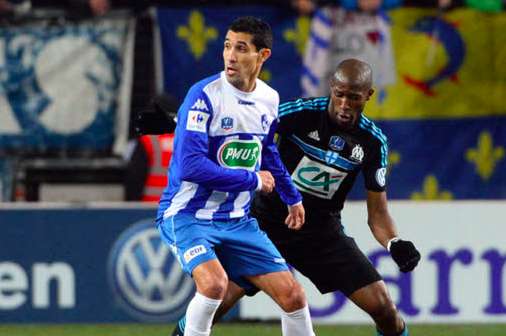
(261, 31)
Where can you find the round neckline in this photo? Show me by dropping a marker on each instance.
(236, 90)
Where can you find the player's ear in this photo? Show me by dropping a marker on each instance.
(264, 54)
(370, 93)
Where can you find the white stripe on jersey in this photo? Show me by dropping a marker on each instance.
(240, 202)
(186, 192)
(213, 203)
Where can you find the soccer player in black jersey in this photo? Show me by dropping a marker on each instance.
(324, 143)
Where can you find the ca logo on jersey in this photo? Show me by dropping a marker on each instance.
(317, 179)
(236, 153)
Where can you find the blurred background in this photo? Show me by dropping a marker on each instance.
(79, 188)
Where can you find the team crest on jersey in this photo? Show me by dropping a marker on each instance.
(200, 105)
(357, 154)
(265, 122)
(236, 153)
(227, 123)
(336, 143)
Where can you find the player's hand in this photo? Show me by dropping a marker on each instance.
(405, 255)
(267, 181)
(296, 216)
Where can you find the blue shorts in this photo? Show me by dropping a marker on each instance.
(239, 244)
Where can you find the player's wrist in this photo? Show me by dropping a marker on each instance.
(259, 182)
(391, 241)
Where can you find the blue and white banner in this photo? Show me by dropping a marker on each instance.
(67, 264)
(65, 87)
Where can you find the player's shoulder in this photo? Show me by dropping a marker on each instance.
(205, 84)
(312, 104)
(265, 91)
(199, 96)
(372, 131)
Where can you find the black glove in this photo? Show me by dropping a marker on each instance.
(405, 254)
(158, 117)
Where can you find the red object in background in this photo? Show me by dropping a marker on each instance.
(159, 151)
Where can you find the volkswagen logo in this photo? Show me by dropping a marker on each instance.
(146, 278)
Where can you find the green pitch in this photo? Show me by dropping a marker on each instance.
(240, 330)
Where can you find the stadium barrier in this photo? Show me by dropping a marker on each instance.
(106, 263)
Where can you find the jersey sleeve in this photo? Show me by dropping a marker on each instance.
(271, 161)
(194, 118)
(375, 167)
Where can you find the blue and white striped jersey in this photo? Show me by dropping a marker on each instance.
(223, 137)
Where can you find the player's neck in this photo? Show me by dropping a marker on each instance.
(248, 85)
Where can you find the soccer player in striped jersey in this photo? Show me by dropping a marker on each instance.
(324, 143)
(223, 153)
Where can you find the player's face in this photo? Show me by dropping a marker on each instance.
(242, 60)
(347, 103)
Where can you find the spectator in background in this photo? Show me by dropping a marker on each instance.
(351, 29)
(355, 29)
(149, 156)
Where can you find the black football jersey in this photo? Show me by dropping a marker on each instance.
(324, 159)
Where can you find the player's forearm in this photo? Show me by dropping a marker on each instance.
(284, 185)
(382, 227)
(200, 170)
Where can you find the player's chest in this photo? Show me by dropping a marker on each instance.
(341, 150)
(240, 116)
(324, 161)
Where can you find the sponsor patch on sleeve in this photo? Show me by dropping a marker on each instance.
(197, 121)
(381, 176)
(194, 252)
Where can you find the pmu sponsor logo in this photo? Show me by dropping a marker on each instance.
(235, 153)
(19, 286)
(449, 284)
(146, 279)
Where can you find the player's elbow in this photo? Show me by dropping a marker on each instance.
(190, 169)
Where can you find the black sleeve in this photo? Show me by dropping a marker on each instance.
(375, 166)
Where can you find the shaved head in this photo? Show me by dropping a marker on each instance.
(350, 89)
(355, 73)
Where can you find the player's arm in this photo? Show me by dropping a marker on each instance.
(383, 228)
(271, 161)
(195, 166)
(380, 222)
